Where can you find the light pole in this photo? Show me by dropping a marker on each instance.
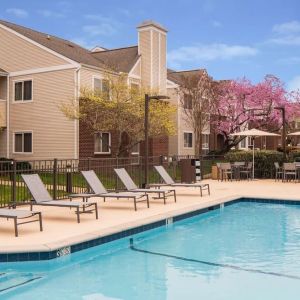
(283, 135)
(146, 127)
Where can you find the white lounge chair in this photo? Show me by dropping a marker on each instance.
(42, 197)
(99, 190)
(132, 187)
(17, 214)
(168, 181)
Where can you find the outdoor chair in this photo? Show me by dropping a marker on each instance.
(226, 171)
(16, 215)
(132, 187)
(99, 190)
(247, 171)
(289, 171)
(278, 171)
(168, 181)
(42, 197)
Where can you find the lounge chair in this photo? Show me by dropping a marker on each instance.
(132, 187)
(42, 197)
(99, 190)
(16, 215)
(168, 181)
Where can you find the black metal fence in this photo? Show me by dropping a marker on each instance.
(63, 177)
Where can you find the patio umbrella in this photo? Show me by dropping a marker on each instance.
(254, 133)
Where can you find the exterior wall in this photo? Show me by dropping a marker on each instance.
(18, 54)
(174, 140)
(152, 48)
(53, 134)
(136, 71)
(3, 142)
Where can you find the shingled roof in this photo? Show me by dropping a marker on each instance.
(78, 53)
(177, 76)
(122, 59)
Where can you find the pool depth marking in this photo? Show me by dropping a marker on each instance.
(132, 247)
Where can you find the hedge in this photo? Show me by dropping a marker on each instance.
(264, 161)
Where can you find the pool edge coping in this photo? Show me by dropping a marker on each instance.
(61, 248)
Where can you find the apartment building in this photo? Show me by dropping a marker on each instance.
(39, 72)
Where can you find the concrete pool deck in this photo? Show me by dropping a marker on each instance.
(61, 228)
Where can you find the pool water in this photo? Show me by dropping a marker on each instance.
(245, 251)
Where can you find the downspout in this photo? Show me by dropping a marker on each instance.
(7, 117)
(76, 122)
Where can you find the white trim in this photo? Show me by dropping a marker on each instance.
(42, 70)
(109, 143)
(40, 46)
(159, 59)
(134, 77)
(22, 101)
(134, 66)
(151, 59)
(186, 131)
(7, 118)
(23, 131)
(171, 84)
(151, 27)
(3, 74)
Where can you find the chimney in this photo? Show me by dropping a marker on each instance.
(152, 46)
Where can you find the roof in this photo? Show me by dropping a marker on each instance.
(104, 59)
(152, 23)
(177, 76)
(122, 59)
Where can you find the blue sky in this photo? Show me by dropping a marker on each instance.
(230, 38)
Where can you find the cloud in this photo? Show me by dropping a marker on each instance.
(49, 14)
(87, 44)
(201, 53)
(17, 12)
(103, 26)
(294, 84)
(287, 28)
(286, 34)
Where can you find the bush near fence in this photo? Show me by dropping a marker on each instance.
(264, 160)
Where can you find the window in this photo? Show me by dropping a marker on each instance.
(23, 90)
(205, 141)
(23, 142)
(187, 101)
(188, 139)
(243, 143)
(102, 142)
(135, 150)
(102, 86)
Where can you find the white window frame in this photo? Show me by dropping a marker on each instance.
(205, 147)
(13, 92)
(101, 78)
(192, 139)
(109, 143)
(14, 141)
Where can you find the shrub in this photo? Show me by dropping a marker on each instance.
(264, 161)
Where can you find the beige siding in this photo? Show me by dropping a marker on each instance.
(87, 75)
(3, 108)
(3, 88)
(19, 55)
(163, 63)
(53, 133)
(136, 71)
(145, 51)
(155, 59)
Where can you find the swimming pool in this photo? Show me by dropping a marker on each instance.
(244, 251)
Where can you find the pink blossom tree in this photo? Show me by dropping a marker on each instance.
(241, 105)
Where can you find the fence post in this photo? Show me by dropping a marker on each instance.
(14, 184)
(55, 178)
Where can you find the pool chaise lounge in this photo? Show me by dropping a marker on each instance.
(132, 187)
(99, 190)
(42, 197)
(16, 215)
(168, 181)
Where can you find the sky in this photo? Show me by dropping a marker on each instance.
(230, 38)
